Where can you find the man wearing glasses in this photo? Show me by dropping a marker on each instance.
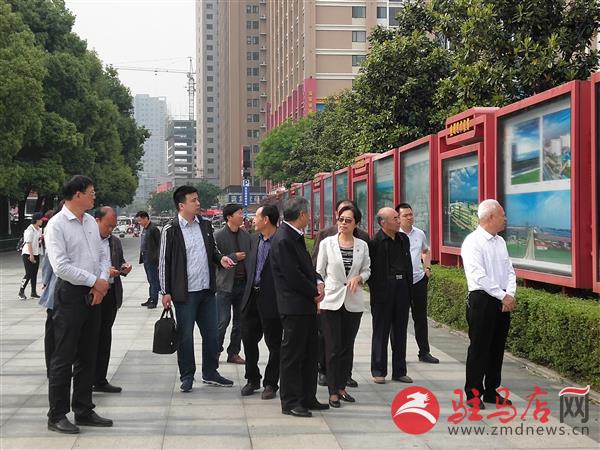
(81, 266)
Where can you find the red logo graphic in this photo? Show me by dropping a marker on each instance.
(415, 410)
(574, 391)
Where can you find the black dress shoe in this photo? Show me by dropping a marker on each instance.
(317, 406)
(492, 399)
(471, 403)
(335, 403)
(109, 388)
(298, 411)
(152, 306)
(63, 426)
(347, 397)
(322, 379)
(249, 389)
(428, 358)
(34, 295)
(146, 303)
(351, 383)
(93, 420)
(268, 393)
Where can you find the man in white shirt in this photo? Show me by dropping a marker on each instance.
(81, 266)
(492, 285)
(421, 263)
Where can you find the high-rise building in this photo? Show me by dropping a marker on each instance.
(242, 87)
(181, 149)
(151, 113)
(207, 94)
(316, 48)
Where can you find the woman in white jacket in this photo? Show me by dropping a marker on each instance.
(344, 264)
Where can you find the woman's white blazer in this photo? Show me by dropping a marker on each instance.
(331, 267)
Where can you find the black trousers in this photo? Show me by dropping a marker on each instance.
(322, 364)
(254, 326)
(108, 313)
(390, 317)
(48, 340)
(76, 328)
(418, 309)
(488, 329)
(31, 271)
(299, 355)
(339, 329)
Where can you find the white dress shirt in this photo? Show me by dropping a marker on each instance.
(418, 245)
(75, 249)
(106, 247)
(197, 260)
(487, 264)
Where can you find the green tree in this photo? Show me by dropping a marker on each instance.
(504, 51)
(21, 105)
(162, 202)
(207, 193)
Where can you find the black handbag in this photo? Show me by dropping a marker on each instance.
(165, 334)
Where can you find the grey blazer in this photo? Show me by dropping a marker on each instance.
(227, 245)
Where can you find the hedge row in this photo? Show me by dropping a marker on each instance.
(554, 330)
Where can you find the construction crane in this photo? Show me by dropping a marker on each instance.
(191, 87)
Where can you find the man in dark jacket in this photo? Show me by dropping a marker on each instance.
(233, 241)
(107, 220)
(297, 297)
(332, 231)
(259, 307)
(389, 285)
(149, 248)
(188, 255)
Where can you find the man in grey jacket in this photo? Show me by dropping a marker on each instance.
(234, 242)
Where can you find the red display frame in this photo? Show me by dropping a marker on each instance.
(361, 171)
(433, 231)
(371, 184)
(326, 176)
(581, 210)
(472, 131)
(595, 174)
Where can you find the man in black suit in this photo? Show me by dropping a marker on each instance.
(332, 231)
(107, 221)
(389, 285)
(297, 297)
(149, 248)
(259, 307)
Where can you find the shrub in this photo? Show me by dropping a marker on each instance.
(557, 331)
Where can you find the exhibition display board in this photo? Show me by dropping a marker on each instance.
(307, 193)
(417, 185)
(328, 210)
(341, 184)
(595, 134)
(540, 151)
(361, 180)
(384, 179)
(465, 173)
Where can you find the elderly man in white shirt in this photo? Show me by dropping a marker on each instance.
(81, 266)
(492, 285)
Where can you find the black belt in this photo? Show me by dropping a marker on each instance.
(255, 288)
(396, 277)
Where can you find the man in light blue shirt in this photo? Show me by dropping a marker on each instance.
(81, 266)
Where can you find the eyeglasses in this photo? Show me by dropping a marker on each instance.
(345, 220)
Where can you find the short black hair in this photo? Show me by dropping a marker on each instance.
(99, 213)
(355, 212)
(78, 183)
(269, 210)
(142, 214)
(230, 209)
(293, 207)
(403, 206)
(181, 192)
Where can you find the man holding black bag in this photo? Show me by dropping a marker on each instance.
(188, 255)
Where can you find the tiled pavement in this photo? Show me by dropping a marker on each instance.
(151, 412)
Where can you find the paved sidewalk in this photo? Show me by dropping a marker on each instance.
(151, 412)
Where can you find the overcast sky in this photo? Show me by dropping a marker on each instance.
(142, 33)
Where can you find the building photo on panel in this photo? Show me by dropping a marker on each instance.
(536, 145)
(460, 197)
